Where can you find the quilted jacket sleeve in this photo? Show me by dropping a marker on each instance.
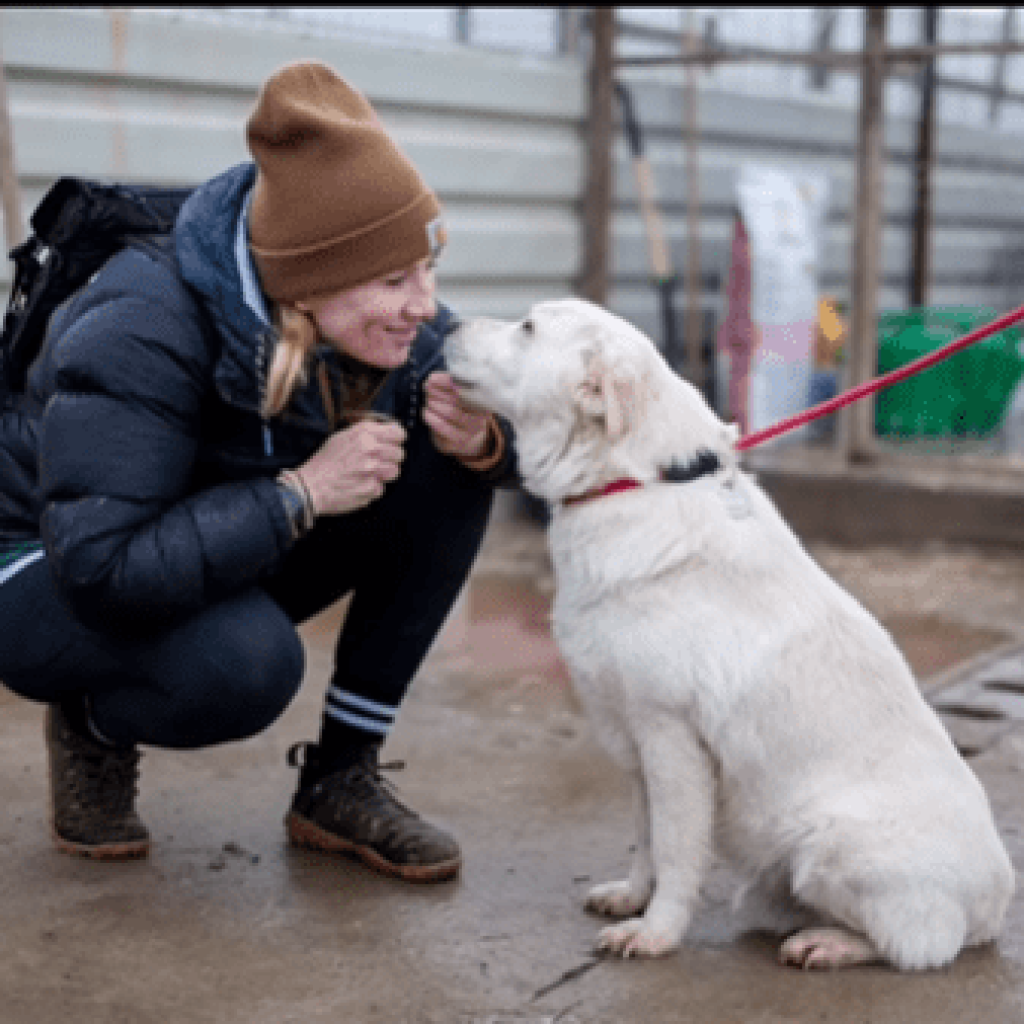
(131, 547)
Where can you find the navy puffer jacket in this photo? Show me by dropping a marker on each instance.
(155, 493)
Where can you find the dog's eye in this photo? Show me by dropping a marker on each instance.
(527, 327)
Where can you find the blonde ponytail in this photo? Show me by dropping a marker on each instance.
(297, 338)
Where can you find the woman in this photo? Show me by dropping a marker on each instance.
(218, 441)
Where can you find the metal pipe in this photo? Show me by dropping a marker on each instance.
(694, 316)
(833, 59)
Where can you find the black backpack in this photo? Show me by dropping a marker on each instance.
(77, 227)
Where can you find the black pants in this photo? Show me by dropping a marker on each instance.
(230, 671)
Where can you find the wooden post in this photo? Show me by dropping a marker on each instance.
(14, 228)
(921, 245)
(598, 197)
(694, 343)
(857, 420)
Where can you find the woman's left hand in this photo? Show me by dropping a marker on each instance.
(456, 429)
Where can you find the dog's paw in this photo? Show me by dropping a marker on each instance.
(634, 938)
(616, 899)
(826, 949)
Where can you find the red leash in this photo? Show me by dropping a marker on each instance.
(886, 380)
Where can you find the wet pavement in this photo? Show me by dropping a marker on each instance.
(226, 924)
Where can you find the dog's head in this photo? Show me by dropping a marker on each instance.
(589, 396)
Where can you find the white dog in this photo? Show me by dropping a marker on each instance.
(754, 701)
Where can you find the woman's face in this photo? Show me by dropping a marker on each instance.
(376, 322)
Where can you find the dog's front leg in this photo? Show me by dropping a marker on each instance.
(622, 899)
(680, 786)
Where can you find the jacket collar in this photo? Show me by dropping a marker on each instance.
(205, 236)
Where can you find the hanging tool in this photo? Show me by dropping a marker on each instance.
(663, 276)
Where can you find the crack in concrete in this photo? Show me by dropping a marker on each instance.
(571, 975)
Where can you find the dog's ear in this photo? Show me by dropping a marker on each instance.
(608, 394)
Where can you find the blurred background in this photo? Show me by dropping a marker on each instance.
(785, 214)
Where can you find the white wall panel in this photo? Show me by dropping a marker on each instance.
(158, 96)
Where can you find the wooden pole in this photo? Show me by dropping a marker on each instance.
(694, 313)
(921, 248)
(598, 197)
(14, 228)
(857, 421)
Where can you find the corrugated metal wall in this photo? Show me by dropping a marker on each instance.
(148, 96)
(978, 195)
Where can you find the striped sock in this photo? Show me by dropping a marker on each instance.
(351, 723)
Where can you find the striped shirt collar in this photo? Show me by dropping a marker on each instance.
(252, 294)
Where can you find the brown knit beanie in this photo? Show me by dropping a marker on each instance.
(335, 203)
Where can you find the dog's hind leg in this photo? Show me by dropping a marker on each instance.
(898, 915)
(909, 938)
(917, 927)
(826, 948)
(631, 896)
(680, 786)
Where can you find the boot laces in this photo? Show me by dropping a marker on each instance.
(362, 778)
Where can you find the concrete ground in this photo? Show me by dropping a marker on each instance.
(227, 924)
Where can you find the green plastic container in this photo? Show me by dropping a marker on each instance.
(966, 394)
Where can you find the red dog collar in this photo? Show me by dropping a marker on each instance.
(702, 464)
(625, 484)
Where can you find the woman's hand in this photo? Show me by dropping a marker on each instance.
(456, 429)
(352, 469)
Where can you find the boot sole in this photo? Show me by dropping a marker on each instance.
(136, 850)
(303, 833)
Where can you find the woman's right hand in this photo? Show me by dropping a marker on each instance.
(351, 470)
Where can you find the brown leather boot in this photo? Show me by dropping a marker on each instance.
(353, 810)
(92, 792)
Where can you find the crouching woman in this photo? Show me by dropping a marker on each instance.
(223, 436)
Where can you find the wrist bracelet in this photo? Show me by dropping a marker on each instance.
(298, 502)
(296, 479)
(307, 501)
(292, 509)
